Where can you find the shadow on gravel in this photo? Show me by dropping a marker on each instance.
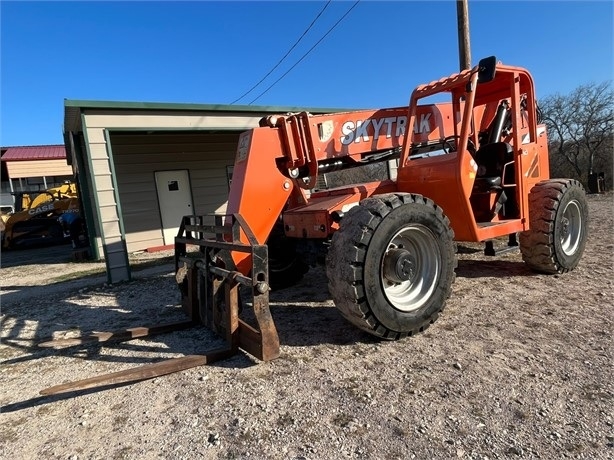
(15, 295)
(41, 255)
(300, 326)
(461, 249)
(80, 279)
(492, 268)
(42, 400)
(93, 352)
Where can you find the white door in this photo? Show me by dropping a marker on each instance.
(175, 199)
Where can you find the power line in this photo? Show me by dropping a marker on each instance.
(305, 55)
(285, 55)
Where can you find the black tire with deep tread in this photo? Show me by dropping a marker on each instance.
(541, 246)
(356, 253)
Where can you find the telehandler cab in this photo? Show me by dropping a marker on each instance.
(472, 169)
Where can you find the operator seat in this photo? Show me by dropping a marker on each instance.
(491, 160)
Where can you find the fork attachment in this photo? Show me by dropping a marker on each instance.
(210, 284)
(210, 295)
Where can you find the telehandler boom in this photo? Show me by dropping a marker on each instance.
(472, 169)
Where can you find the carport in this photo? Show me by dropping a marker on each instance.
(141, 166)
(32, 167)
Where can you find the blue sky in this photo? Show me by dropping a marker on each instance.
(212, 52)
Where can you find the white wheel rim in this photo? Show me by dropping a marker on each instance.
(423, 259)
(571, 228)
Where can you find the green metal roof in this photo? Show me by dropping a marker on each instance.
(196, 107)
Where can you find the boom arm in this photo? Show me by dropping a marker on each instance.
(278, 161)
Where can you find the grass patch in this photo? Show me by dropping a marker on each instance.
(78, 275)
(140, 264)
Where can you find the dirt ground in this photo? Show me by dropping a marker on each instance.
(519, 365)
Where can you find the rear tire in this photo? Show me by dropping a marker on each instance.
(391, 264)
(558, 218)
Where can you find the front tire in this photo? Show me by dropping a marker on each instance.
(558, 221)
(391, 264)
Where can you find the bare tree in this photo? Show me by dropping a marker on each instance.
(580, 130)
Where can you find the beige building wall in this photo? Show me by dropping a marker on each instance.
(138, 156)
(38, 168)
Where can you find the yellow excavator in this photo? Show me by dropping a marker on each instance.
(39, 215)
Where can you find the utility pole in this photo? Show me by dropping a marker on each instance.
(464, 46)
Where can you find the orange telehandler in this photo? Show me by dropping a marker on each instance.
(472, 169)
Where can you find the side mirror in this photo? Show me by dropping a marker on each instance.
(486, 69)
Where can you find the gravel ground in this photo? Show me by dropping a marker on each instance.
(518, 366)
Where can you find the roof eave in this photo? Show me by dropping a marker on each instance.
(90, 104)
